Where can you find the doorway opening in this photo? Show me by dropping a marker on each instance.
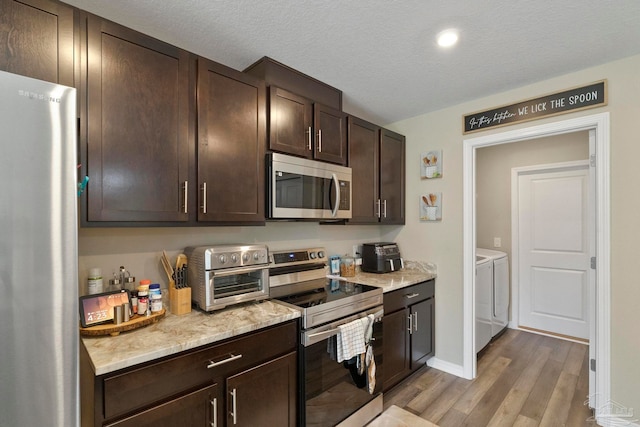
(599, 381)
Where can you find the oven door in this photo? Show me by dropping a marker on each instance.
(332, 391)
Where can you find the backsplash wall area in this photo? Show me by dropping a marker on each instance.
(139, 249)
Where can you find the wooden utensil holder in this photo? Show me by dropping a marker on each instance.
(179, 300)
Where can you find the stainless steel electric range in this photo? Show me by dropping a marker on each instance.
(332, 393)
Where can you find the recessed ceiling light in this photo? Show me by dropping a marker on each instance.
(447, 38)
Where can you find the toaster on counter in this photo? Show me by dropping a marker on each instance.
(383, 257)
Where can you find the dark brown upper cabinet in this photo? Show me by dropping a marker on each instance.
(231, 144)
(377, 159)
(37, 40)
(364, 161)
(300, 127)
(392, 177)
(137, 126)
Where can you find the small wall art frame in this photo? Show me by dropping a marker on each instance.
(431, 164)
(431, 207)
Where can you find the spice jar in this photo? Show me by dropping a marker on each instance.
(347, 266)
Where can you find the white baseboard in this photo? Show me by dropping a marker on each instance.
(448, 367)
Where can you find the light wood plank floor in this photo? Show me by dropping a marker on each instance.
(524, 379)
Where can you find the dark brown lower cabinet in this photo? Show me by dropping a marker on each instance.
(249, 380)
(264, 396)
(408, 333)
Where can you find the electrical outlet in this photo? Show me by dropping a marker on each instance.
(356, 251)
(497, 242)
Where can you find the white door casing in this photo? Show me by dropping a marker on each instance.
(600, 339)
(551, 231)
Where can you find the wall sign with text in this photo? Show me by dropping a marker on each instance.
(580, 98)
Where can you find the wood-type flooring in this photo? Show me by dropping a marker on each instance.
(524, 379)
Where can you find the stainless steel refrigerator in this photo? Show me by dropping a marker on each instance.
(38, 254)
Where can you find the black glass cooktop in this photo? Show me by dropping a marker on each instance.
(334, 290)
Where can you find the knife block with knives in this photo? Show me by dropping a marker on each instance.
(179, 290)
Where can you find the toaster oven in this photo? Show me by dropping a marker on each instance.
(224, 275)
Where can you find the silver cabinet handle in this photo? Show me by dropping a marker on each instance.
(415, 321)
(319, 140)
(222, 362)
(413, 295)
(384, 208)
(233, 405)
(309, 143)
(186, 191)
(214, 412)
(410, 328)
(204, 198)
(378, 208)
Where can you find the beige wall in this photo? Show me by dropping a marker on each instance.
(441, 242)
(493, 179)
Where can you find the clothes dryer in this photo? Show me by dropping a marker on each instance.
(499, 289)
(483, 304)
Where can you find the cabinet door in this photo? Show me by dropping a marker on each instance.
(331, 134)
(392, 179)
(265, 395)
(363, 160)
(231, 144)
(422, 336)
(199, 408)
(396, 357)
(36, 40)
(138, 116)
(290, 123)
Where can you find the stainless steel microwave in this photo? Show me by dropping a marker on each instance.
(299, 188)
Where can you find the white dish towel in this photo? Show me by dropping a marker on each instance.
(350, 339)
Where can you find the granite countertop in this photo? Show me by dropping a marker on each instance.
(173, 334)
(412, 273)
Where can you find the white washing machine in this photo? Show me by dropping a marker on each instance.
(499, 289)
(483, 304)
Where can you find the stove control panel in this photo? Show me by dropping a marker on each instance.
(229, 256)
(298, 257)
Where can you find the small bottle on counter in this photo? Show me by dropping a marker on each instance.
(144, 285)
(156, 303)
(94, 281)
(155, 298)
(143, 302)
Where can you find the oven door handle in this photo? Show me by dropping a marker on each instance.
(238, 270)
(319, 336)
(309, 339)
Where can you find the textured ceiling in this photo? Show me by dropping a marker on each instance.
(382, 54)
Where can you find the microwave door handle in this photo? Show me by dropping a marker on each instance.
(336, 183)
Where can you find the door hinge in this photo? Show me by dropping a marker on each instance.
(592, 160)
(593, 263)
(592, 364)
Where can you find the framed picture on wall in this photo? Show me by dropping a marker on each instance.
(431, 207)
(431, 164)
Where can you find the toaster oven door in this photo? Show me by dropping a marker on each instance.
(236, 285)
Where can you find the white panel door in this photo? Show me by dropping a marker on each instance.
(554, 251)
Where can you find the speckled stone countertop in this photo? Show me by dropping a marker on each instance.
(412, 273)
(173, 334)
